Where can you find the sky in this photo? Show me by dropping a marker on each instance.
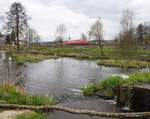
(78, 15)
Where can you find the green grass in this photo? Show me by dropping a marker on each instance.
(124, 63)
(14, 95)
(31, 115)
(109, 86)
(138, 78)
(34, 58)
(36, 54)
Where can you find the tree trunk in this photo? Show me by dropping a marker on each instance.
(77, 111)
(17, 28)
(101, 46)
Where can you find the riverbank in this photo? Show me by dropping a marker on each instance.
(11, 94)
(109, 87)
(111, 58)
(123, 63)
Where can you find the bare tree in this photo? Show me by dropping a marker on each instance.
(60, 31)
(127, 42)
(16, 20)
(96, 31)
(127, 20)
(83, 36)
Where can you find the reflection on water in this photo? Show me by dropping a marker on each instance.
(9, 71)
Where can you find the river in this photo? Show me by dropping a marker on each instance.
(63, 79)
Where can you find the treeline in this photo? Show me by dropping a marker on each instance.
(16, 29)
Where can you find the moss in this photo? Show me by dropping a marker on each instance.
(15, 95)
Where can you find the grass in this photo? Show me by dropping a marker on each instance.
(109, 86)
(14, 95)
(34, 58)
(138, 78)
(38, 53)
(31, 115)
(124, 63)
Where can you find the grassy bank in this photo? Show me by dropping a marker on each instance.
(22, 58)
(109, 86)
(92, 53)
(124, 63)
(36, 54)
(11, 94)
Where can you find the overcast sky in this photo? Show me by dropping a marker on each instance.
(78, 15)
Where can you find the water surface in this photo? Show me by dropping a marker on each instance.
(62, 78)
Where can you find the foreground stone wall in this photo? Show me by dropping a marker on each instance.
(141, 98)
(136, 98)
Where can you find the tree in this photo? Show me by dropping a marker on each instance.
(127, 43)
(13, 37)
(140, 33)
(60, 31)
(16, 20)
(83, 36)
(31, 36)
(69, 38)
(147, 33)
(96, 31)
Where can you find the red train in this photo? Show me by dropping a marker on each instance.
(77, 42)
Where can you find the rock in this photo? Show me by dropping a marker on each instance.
(141, 98)
(11, 114)
(123, 96)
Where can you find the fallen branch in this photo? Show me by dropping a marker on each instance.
(77, 111)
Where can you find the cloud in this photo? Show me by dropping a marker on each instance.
(79, 15)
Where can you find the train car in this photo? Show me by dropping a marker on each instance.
(77, 42)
